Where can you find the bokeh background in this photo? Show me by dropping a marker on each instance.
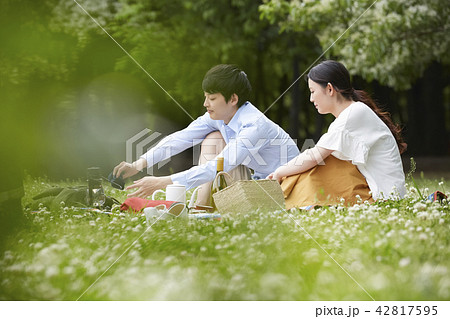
(70, 97)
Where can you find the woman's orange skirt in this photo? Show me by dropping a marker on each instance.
(326, 185)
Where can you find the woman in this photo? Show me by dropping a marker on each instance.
(361, 150)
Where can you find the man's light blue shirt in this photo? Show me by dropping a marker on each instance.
(252, 140)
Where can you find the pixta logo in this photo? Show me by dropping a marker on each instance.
(140, 143)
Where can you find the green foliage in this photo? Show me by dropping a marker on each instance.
(390, 41)
(178, 41)
(69, 91)
(396, 250)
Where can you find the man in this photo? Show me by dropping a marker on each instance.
(231, 126)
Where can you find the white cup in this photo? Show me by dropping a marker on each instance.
(174, 192)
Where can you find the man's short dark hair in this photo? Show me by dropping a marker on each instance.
(227, 80)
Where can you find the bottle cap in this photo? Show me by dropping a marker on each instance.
(220, 164)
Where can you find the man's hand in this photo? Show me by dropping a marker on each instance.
(126, 170)
(146, 186)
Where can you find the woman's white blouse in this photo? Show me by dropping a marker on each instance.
(360, 136)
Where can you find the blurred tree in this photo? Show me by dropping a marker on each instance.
(21, 60)
(179, 41)
(392, 41)
(81, 82)
(395, 42)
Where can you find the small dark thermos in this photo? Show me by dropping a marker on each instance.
(96, 195)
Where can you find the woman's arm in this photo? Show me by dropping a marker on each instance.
(303, 162)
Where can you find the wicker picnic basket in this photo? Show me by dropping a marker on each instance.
(242, 197)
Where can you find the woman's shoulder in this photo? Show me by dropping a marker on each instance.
(359, 108)
(360, 114)
(357, 117)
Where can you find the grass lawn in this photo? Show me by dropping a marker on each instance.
(396, 250)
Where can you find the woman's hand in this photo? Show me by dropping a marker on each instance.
(275, 176)
(146, 186)
(303, 162)
(126, 170)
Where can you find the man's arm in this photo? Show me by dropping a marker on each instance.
(179, 141)
(171, 145)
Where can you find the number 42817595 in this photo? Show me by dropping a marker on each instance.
(407, 310)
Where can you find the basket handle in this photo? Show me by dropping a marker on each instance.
(228, 179)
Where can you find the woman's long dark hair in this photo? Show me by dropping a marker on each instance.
(337, 75)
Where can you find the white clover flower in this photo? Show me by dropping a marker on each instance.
(378, 281)
(92, 223)
(168, 260)
(218, 230)
(420, 206)
(392, 218)
(404, 262)
(379, 243)
(422, 215)
(68, 270)
(435, 214)
(51, 271)
(423, 236)
(348, 219)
